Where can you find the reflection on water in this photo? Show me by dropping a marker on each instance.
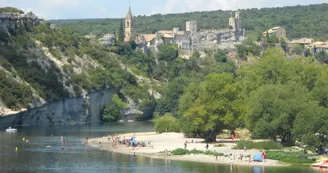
(46, 152)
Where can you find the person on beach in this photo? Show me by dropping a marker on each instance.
(86, 142)
(185, 145)
(206, 146)
(263, 156)
(233, 135)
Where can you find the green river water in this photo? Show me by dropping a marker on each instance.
(44, 153)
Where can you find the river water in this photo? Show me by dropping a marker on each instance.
(47, 154)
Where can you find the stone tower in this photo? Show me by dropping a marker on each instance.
(128, 26)
(238, 23)
(191, 26)
(234, 21)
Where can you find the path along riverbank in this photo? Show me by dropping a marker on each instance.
(171, 141)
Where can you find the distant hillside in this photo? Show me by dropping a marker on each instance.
(300, 21)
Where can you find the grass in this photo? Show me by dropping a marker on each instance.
(181, 151)
(289, 157)
(219, 145)
(265, 145)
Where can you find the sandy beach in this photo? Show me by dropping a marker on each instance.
(171, 141)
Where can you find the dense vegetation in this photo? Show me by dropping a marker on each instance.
(299, 21)
(264, 145)
(28, 74)
(289, 157)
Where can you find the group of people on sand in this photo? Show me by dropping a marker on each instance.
(129, 142)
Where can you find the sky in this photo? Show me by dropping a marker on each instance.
(77, 9)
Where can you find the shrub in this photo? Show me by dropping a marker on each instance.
(56, 53)
(258, 145)
(166, 122)
(180, 151)
(289, 157)
(112, 112)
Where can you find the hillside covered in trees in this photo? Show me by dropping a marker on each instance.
(299, 21)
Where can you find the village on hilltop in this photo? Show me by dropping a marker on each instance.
(194, 39)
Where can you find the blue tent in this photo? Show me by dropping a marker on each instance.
(257, 157)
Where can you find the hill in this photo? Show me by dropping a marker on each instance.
(300, 21)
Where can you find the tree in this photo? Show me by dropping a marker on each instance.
(112, 112)
(283, 44)
(214, 109)
(298, 49)
(166, 123)
(273, 113)
(168, 52)
(310, 125)
(221, 56)
(120, 37)
(247, 47)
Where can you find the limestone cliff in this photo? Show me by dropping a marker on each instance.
(82, 109)
(12, 21)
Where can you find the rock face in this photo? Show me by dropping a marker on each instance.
(83, 109)
(108, 40)
(214, 39)
(12, 21)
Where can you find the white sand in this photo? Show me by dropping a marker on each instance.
(171, 141)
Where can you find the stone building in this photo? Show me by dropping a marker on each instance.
(234, 21)
(277, 31)
(191, 26)
(305, 42)
(191, 38)
(320, 46)
(128, 26)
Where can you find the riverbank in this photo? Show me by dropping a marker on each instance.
(172, 141)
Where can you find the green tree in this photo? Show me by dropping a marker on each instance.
(273, 113)
(166, 123)
(248, 47)
(214, 109)
(221, 56)
(120, 37)
(283, 44)
(113, 112)
(168, 52)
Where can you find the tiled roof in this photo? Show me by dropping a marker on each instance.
(149, 37)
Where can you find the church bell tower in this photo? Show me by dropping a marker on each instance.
(128, 26)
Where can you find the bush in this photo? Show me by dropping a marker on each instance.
(112, 112)
(166, 122)
(56, 53)
(180, 151)
(289, 157)
(266, 145)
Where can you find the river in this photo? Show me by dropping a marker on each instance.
(47, 154)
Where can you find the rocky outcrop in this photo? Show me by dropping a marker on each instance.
(83, 109)
(216, 39)
(12, 21)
